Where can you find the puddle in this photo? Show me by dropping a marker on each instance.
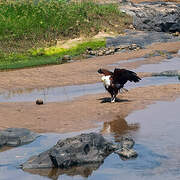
(57, 94)
(157, 142)
(67, 93)
(165, 65)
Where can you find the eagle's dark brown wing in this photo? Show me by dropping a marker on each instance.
(121, 76)
(105, 72)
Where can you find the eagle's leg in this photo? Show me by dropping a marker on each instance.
(113, 99)
(113, 95)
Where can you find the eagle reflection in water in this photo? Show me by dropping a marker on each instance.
(119, 127)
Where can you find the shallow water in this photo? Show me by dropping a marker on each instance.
(157, 143)
(67, 93)
(165, 65)
(128, 61)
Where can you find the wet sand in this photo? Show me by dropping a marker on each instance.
(84, 112)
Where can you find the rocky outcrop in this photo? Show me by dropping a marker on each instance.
(154, 16)
(140, 38)
(80, 150)
(16, 137)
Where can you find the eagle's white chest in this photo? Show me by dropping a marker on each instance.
(106, 80)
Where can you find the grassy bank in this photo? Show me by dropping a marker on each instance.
(27, 25)
(45, 56)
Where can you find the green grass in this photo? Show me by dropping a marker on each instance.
(29, 27)
(51, 19)
(45, 56)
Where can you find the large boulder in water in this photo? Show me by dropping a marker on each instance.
(16, 136)
(80, 150)
(154, 16)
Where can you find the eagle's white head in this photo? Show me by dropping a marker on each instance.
(106, 80)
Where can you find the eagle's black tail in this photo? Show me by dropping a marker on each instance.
(133, 77)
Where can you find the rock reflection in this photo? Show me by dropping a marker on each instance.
(5, 148)
(119, 127)
(84, 171)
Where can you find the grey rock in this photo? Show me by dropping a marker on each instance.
(3, 140)
(127, 142)
(80, 150)
(16, 136)
(154, 16)
(100, 53)
(167, 73)
(126, 151)
(109, 52)
(92, 52)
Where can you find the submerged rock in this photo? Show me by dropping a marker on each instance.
(16, 136)
(80, 150)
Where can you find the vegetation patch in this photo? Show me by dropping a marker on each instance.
(39, 25)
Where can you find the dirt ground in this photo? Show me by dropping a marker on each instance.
(84, 112)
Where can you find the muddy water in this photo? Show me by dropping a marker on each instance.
(154, 129)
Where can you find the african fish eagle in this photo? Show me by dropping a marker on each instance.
(114, 81)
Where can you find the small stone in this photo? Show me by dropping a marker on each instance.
(39, 102)
(66, 58)
(100, 53)
(92, 52)
(176, 34)
(127, 153)
(133, 47)
(131, 26)
(109, 52)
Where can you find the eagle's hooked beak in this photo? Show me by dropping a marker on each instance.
(102, 79)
